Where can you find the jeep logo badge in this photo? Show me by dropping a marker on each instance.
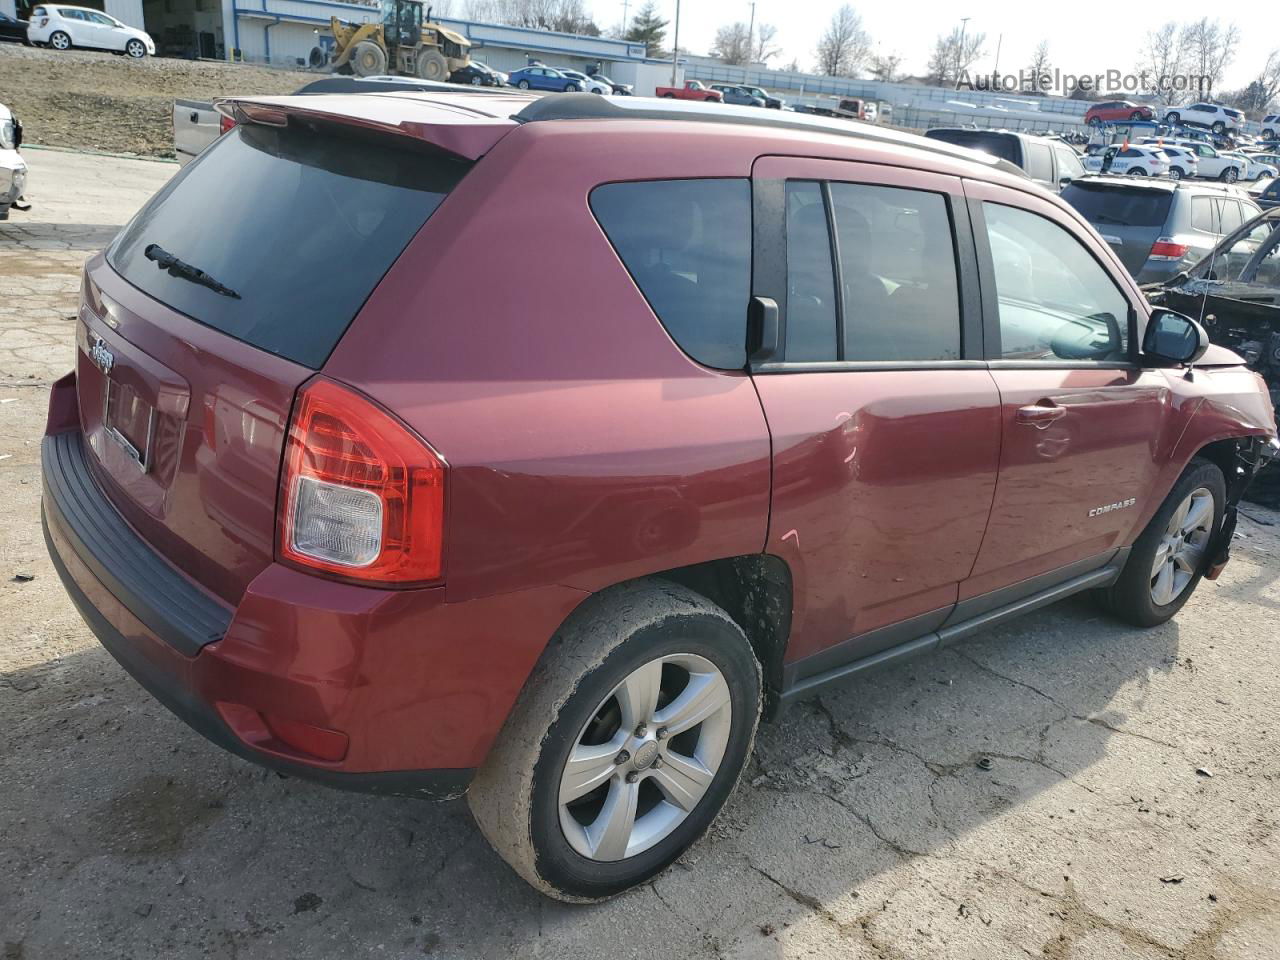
(102, 358)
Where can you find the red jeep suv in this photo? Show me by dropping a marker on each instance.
(762, 402)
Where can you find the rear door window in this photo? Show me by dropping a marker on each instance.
(1229, 210)
(298, 226)
(687, 245)
(894, 296)
(1204, 214)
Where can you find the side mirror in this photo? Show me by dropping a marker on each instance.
(1173, 337)
(1064, 181)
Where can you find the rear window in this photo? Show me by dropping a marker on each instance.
(1118, 206)
(298, 225)
(1000, 145)
(687, 245)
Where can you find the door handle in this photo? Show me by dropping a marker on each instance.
(1041, 414)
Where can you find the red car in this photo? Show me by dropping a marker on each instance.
(1116, 111)
(363, 502)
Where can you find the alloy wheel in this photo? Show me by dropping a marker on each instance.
(135, 49)
(1181, 550)
(646, 757)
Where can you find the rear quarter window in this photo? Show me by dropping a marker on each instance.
(300, 225)
(687, 245)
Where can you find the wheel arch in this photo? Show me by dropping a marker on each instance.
(755, 590)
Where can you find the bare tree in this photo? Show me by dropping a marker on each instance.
(732, 44)
(765, 47)
(1162, 57)
(1209, 48)
(844, 45)
(886, 67)
(1262, 91)
(1038, 67)
(953, 54)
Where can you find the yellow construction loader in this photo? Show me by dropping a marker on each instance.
(404, 42)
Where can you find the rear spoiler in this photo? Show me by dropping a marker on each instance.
(448, 126)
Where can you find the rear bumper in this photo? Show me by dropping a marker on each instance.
(394, 691)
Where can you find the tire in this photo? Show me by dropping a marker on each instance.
(1268, 134)
(1172, 117)
(1218, 127)
(668, 96)
(571, 88)
(135, 49)
(1095, 122)
(1136, 115)
(523, 84)
(1134, 597)
(432, 65)
(1135, 172)
(575, 699)
(1175, 173)
(60, 40)
(368, 59)
(477, 82)
(1230, 175)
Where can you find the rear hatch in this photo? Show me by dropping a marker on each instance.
(222, 296)
(1129, 217)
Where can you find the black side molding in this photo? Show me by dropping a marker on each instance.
(171, 606)
(941, 628)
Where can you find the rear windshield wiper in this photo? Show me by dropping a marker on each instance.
(178, 268)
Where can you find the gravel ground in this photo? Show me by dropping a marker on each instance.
(99, 101)
(1063, 787)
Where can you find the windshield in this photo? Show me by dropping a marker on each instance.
(277, 236)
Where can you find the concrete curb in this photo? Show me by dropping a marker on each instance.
(96, 153)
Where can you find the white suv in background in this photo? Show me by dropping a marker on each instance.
(1270, 126)
(586, 83)
(63, 27)
(1212, 115)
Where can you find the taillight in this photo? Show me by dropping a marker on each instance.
(362, 495)
(1166, 249)
(225, 123)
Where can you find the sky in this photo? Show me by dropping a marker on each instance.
(1083, 40)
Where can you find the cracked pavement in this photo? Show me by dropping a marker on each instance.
(1034, 792)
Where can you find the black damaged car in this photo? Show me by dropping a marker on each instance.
(1235, 294)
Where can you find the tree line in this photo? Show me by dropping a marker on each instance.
(1202, 49)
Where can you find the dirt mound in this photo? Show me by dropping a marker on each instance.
(98, 101)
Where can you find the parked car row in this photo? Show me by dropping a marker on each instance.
(561, 80)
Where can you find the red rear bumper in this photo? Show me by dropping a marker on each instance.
(380, 690)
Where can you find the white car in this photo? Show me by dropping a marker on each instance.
(1213, 164)
(1212, 115)
(586, 83)
(65, 27)
(13, 169)
(1255, 166)
(1270, 126)
(1183, 162)
(1132, 161)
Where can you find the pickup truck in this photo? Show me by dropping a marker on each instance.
(692, 90)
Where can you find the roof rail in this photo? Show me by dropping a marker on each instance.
(590, 106)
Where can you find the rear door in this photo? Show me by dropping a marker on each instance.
(186, 378)
(1081, 422)
(884, 419)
